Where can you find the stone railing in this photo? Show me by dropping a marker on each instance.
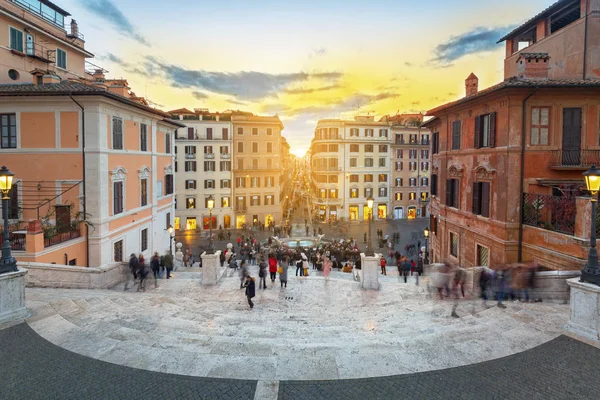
(69, 277)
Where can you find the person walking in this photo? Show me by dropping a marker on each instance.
(143, 272)
(272, 267)
(299, 267)
(168, 263)
(262, 273)
(155, 263)
(382, 263)
(405, 269)
(243, 273)
(283, 275)
(250, 286)
(134, 265)
(327, 267)
(304, 259)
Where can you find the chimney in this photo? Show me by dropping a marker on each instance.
(98, 75)
(471, 85)
(74, 29)
(118, 86)
(533, 65)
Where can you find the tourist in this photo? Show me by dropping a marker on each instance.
(272, 267)
(304, 259)
(500, 284)
(299, 266)
(192, 260)
(262, 273)
(155, 263)
(283, 274)
(244, 272)
(250, 290)
(485, 277)
(405, 268)
(134, 265)
(459, 282)
(143, 272)
(382, 263)
(168, 263)
(326, 267)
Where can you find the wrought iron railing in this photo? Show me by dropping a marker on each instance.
(553, 213)
(59, 238)
(575, 158)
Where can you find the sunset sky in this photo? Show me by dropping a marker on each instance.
(304, 60)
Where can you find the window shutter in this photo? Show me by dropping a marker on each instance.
(456, 135)
(434, 185)
(449, 192)
(476, 194)
(485, 199)
(432, 224)
(492, 138)
(455, 193)
(477, 132)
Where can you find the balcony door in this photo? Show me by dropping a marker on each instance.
(571, 139)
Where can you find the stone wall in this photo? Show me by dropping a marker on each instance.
(63, 276)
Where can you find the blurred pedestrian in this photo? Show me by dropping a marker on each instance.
(250, 290)
(382, 263)
(262, 273)
(134, 265)
(272, 267)
(283, 274)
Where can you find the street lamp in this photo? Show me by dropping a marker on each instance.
(170, 229)
(7, 263)
(211, 204)
(426, 257)
(370, 201)
(591, 272)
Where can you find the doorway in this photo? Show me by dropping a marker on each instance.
(571, 137)
(268, 220)
(353, 211)
(226, 221)
(412, 212)
(366, 213)
(398, 213)
(240, 221)
(382, 211)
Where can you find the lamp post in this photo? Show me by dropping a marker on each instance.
(7, 263)
(591, 272)
(369, 251)
(426, 256)
(170, 229)
(211, 204)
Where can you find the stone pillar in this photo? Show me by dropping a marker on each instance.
(584, 319)
(178, 257)
(12, 296)
(211, 267)
(370, 271)
(583, 218)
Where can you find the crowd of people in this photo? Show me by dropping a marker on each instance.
(139, 270)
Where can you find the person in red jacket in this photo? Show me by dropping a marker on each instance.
(383, 263)
(272, 267)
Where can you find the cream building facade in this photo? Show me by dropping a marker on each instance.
(351, 161)
(203, 168)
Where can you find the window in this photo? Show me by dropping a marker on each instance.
(255, 147)
(225, 184)
(240, 147)
(224, 149)
(412, 196)
(452, 193)
(143, 192)
(333, 179)
(269, 181)
(190, 203)
(382, 192)
(412, 182)
(209, 134)
(240, 163)
(399, 182)
(399, 154)
(369, 133)
(269, 200)
(143, 137)
(412, 154)
(353, 178)
(353, 162)
(456, 125)
(269, 163)
(483, 256)
(424, 196)
(255, 200)
(485, 130)
(383, 133)
(425, 166)
(382, 177)
(240, 130)
(209, 184)
(209, 166)
(16, 39)
(383, 148)
(269, 147)
(322, 194)
(368, 148)
(168, 221)
(382, 162)
(190, 133)
(240, 182)
(118, 251)
(540, 125)
(424, 154)
(434, 185)
(168, 143)
(176, 165)
(117, 133)
(225, 165)
(368, 162)
(144, 240)
(368, 178)
(225, 133)
(353, 193)
(425, 139)
(398, 196)
(399, 165)
(9, 131)
(255, 131)
(190, 184)
(412, 166)
(413, 139)
(190, 166)
(269, 131)
(225, 201)
(435, 142)
(255, 182)
(353, 148)
(481, 199)
(254, 163)
(192, 149)
(117, 198)
(399, 138)
(61, 58)
(453, 244)
(424, 181)
(368, 192)
(168, 184)
(333, 193)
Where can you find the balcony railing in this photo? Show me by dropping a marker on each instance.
(209, 156)
(225, 156)
(574, 159)
(190, 156)
(59, 238)
(554, 213)
(37, 51)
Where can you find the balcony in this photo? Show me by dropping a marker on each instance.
(58, 238)
(209, 156)
(225, 156)
(190, 156)
(574, 159)
(39, 52)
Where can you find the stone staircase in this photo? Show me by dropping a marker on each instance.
(314, 329)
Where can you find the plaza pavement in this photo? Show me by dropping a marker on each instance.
(316, 339)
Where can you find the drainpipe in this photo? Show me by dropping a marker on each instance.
(585, 36)
(522, 186)
(87, 233)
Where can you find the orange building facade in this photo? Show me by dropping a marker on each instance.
(93, 162)
(508, 160)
